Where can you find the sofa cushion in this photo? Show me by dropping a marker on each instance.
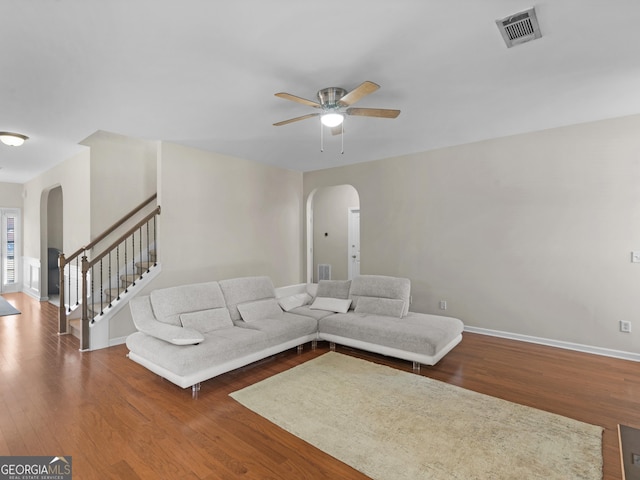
(293, 301)
(334, 288)
(389, 307)
(381, 286)
(169, 303)
(243, 290)
(260, 309)
(207, 320)
(331, 304)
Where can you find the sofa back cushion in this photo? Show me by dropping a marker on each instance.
(387, 307)
(169, 303)
(334, 289)
(243, 290)
(205, 321)
(380, 286)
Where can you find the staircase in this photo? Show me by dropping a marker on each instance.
(111, 295)
(99, 279)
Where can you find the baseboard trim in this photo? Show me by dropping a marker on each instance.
(606, 352)
(117, 341)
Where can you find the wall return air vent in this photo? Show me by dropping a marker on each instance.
(519, 28)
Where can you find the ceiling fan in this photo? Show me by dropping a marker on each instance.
(334, 103)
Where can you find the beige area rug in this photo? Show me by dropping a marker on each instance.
(395, 425)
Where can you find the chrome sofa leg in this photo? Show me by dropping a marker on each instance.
(195, 388)
(314, 344)
(300, 348)
(416, 367)
(332, 346)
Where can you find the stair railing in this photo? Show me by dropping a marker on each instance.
(134, 245)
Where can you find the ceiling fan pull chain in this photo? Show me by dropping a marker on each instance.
(342, 152)
(321, 137)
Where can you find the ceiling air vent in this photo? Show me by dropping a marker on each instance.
(519, 28)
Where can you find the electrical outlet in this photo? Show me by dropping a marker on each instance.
(625, 326)
(443, 304)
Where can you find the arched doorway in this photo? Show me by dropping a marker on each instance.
(51, 241)
(333, 233)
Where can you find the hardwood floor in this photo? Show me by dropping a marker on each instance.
(118, 420)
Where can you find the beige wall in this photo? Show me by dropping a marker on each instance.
(123, 175)
(10, 195)
(529, 234)
(330, 228)
(72, 176)
(225, 217)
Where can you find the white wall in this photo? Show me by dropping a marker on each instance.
(226, 217)
(529, 234)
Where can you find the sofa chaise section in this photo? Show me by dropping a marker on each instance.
(379, 321)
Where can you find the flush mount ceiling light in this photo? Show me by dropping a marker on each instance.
(12, 139)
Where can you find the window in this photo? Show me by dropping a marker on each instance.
(9, 243)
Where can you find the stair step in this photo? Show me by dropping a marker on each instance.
(144, 266)
(112, 293)
(129, 279)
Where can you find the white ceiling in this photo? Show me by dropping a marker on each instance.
(203, 73)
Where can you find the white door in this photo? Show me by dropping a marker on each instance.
(354, 243)
(9, 251)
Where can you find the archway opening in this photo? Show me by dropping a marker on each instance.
(333, 233)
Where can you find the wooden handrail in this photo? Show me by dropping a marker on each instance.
(111, 229)
(90, 263)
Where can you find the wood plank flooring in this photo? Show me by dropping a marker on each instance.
(120, 421)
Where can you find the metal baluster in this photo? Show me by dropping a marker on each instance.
(148, 249)
(126, 267)
(68, 292)
(101, 287)
(118, 270)
(140, 245)
(109, 290)
(155, 240)
(92, 296)
(133, 257)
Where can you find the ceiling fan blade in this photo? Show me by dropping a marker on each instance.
(296, 119)
(373, 112)
(294, 98)
(337, 130)
(364, 89)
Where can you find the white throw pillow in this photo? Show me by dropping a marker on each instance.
(207, 320)
(389, 307)
(260, 309)
(337, 305)
(294, 301)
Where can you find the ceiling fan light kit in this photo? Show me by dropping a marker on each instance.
(332, 119)
(12, 139)
(334, 102)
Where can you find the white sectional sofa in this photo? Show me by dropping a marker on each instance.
(191, 333)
